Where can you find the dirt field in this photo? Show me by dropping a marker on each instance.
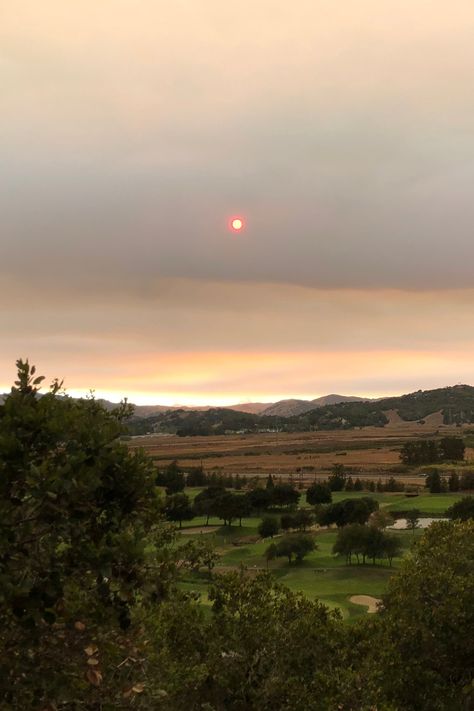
(304, 456)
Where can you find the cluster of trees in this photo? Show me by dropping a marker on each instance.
(216, 501)
(92, 615)
(299, 520)
(366, 542)
(341, 479)
(431, 451)
(291, 546)
(462, 510)
(347, 511)
(438, 484)
(174, 478)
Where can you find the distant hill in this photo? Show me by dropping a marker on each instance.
(287, 408)
(282, 408)
(455, 405)
(290, 408)
(253, 408)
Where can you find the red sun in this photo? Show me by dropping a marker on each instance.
(237, 224)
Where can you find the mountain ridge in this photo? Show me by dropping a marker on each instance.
(454, 403)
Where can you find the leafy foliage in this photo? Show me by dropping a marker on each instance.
(268, 527)
(80, 534)
(428, 620)
(294, 545)
(462, 510)
(430, 451)
(347, 511)
(366, 542)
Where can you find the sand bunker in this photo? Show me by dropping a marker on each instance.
(366, 600)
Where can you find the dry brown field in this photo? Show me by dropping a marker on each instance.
(371, 452)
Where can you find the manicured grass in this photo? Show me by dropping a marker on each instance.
(321, 575)
(431, 504)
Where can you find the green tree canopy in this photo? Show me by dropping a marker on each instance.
(318, 494)
(80, 534)
(463, 510)
(427, 623)
(294, 546)
(268, 527)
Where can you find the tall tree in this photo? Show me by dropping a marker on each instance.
(80, 535)
(178, 508)
(427, 622)
(462, 510)
(318, 494)
(413, 519)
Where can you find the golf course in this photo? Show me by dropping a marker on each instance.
(321, 574)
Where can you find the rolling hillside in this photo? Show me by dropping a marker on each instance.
(456, 405)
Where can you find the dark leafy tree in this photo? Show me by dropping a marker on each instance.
(428, 618)
(337, 479)
(294, 546)
(80, 535)
(268, 527)
(196, 477)
(204, 503)
(374, 543)
(417, 452)
(467, 481)
(172, 478)
(318, 494)
(351, 540)
(393, 485)
(228, 507)
(453, 482)
(242, 507)
(303, 519)
(429, 451)
(381, 519)
(198, 554)
(349, 484)
(462, 510)
(287, 521)
(451, 449)
(433, 482)
(347, 511)
(392, 547)
(178, 508)
(259, 499)
(284, 495)
(366, 542)
(413, 519)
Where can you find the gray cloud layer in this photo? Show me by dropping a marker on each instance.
(342, 132)
(130, 134)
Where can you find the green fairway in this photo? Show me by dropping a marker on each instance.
(321, 575)
(431, 504)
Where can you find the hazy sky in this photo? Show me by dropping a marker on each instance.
(342, 132)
